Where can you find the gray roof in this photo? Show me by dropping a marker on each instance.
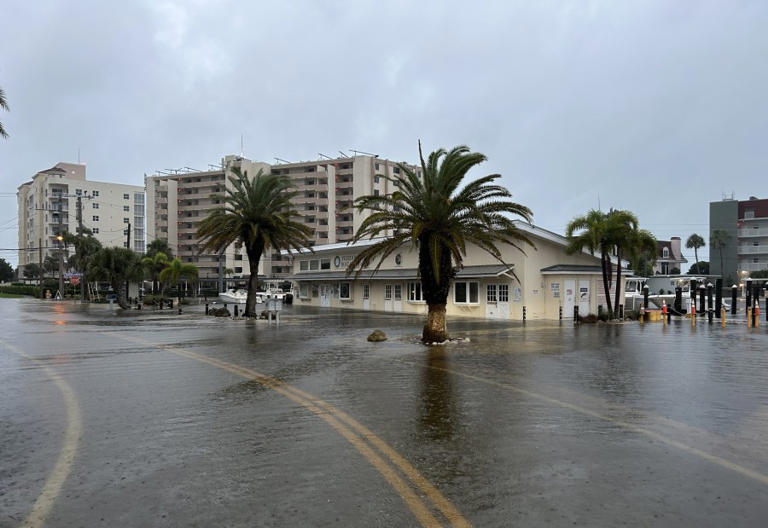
(492, 270)
(572, 268)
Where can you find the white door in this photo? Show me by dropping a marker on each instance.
(366, 296)
(387, 297)
(584, 296)
(497, 301)
(398, 298)
(569, 299)
(325, 295)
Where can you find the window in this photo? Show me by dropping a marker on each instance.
(126, 197)
(377, 166)
(398, 292)
(388, 292)
(78, 192)
(396, 170)
(95, 218)
(95, 230)
(125, 231)
(375, 192)
(303, 265)
(94, 205)
(465, 293)
(555, 288)
(303, 290)
(126, 208)
(238, 269)
(238, 256)
(126, 220)
(665, 253)
(325, 263)
(344, 291)
(503, 292)
(376, 179)
(749, 213)
(490, 293)
(315, 291)
(95, 193)
(366, 291)
(414, 292)
(313, 264)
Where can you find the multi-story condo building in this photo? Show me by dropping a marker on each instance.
(58, 199)
(326, 189)
(745, 248)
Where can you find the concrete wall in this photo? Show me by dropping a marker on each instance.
(723, 215)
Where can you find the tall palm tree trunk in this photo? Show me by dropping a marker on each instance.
(122, 295)
(254, 256)
(435, 291)
(606, 284)
(696, 256)
(435, 330)
(618, 285)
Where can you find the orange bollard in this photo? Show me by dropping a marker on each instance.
(757, 313)
(749, 317)
(693, 313)
(723, 311)
(664, 312)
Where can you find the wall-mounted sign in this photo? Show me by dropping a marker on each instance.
(398, 259)
(342, 261)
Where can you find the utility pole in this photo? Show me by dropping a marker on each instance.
(40, 263)
(80, 232)
(128, 245)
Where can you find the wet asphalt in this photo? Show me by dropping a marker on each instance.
(536, 425)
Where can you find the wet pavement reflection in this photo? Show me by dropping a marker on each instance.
(195, 421)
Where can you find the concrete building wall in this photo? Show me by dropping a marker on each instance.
(753, 235)
(723, 216)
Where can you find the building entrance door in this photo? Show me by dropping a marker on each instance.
(366, 296)
(398, 295)
(584, 296)
(497, 301)
(388, 307)
(325, 295)
(569, 298)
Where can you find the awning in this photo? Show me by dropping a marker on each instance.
(468, 272)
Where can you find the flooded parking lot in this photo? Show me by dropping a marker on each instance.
(158, 419)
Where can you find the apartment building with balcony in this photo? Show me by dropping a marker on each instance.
(326, 190)
(746, 248)
(48, 203)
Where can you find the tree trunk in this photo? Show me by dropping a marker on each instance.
(696, 256)
(606, 263)
(435, 331)
(254, 256)
(122, 296)
(618, 286)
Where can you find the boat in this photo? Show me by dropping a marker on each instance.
(234, 296)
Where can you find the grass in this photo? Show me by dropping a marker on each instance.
(11, 296)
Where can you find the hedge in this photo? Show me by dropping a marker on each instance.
(14, 289)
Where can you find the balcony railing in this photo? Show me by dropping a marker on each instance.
(750, 232)
(753, 266)
(747, 250)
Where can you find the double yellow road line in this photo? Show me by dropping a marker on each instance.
(423, 499)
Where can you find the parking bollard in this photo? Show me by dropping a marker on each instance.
(722, 316)
(621, 312)
(702, 300)
(734, 298)
(748, 293)
(561, 313)
(206, 308)
(524, 313)
(575, 315)
(693, 313)
(718, 297)
(749, 317)
(236, 311)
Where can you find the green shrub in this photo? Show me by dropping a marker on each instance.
(23, 289)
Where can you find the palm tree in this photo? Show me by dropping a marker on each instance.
(590, 232)
(4, 106)
(259, 214)
(433, 214)
(176, 270)
(116, 265)
(159, 245)
(86, 246)
(155, 264)
(637, 245)
(719, 240)
(695, 242)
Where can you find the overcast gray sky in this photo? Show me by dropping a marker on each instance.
(657, 106)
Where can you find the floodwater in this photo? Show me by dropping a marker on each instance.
(158, 419)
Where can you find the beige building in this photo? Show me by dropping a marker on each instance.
(48, 206)
(548, 280)
(326, 188)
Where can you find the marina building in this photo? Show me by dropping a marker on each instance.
(541, 282)
(326, 189)
(744, 248)
(56, 200)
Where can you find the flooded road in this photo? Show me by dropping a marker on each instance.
(157, 419)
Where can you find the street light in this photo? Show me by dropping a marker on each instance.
(60, 238)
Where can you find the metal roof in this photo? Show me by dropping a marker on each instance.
(492, 270)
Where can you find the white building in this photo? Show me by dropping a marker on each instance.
(48, 206)
(548, 280)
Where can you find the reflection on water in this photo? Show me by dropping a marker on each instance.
(438, 402)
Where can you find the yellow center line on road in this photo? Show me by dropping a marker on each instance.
(722, 462)
(334, 417)
(53, 484)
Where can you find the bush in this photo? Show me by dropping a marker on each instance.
(588, 319)
(154, 300)
(14, 289)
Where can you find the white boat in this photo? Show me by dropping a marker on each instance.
(234, 296)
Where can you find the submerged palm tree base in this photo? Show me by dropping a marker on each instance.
(435, 330)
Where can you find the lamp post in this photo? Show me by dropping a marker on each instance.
(60, 238)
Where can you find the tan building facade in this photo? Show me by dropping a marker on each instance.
(541, 282)
(48, 206)
(326, 190)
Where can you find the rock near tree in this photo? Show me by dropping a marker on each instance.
(377, 336)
